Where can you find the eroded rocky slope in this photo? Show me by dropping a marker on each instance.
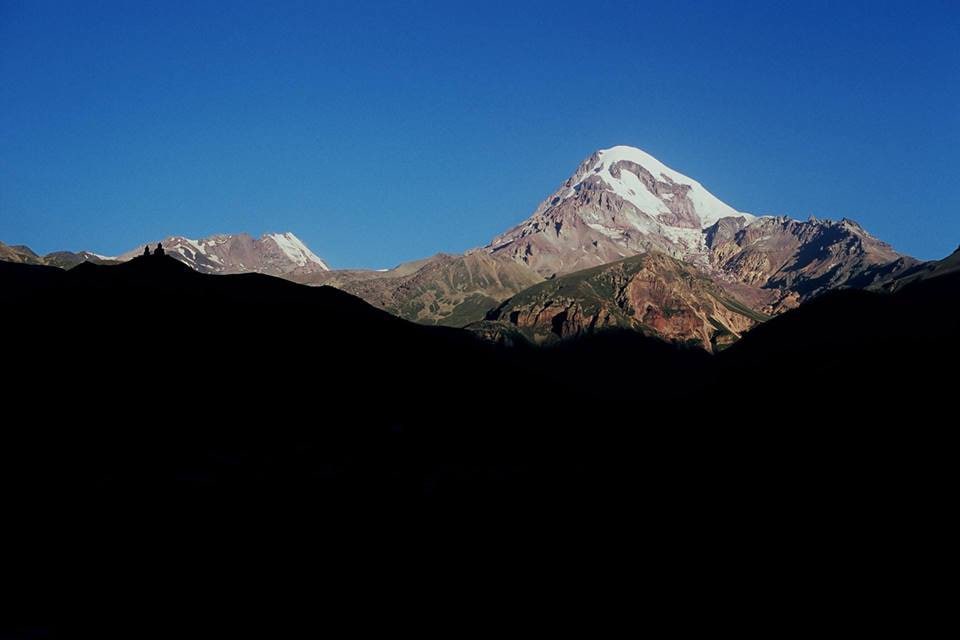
(652, 293)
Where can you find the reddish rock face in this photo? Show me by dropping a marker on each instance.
(652, 293)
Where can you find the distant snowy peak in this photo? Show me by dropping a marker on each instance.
(652, 187)
(294, 249)
(278, 254)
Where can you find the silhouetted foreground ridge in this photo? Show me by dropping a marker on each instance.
(261, 385)
(156, 413)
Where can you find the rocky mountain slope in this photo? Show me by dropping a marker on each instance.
(652, 293)
(451, 290)
(779, 263)
(19, 253)
(277, 254)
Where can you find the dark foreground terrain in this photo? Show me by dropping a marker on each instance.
(148, 379)
(148, 398)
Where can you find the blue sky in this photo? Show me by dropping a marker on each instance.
(386, 131)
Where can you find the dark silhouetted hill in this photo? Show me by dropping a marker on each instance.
(156, 418)
(148, 382)
(160, 378)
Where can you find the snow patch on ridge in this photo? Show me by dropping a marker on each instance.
(294, 249)
(196, 246)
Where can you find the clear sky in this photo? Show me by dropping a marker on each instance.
(380, 132)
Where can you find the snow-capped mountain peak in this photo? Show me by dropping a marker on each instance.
(636, 176)
(619, 202)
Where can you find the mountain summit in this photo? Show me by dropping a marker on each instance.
(651, 186)
(619, 202)
(622, 202)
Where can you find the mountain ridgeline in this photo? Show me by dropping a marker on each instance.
(620, 203)
(633, 332)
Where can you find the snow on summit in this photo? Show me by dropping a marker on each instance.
(631, 188)
(619, 202)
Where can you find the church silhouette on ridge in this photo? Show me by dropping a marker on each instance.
(156, 252)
